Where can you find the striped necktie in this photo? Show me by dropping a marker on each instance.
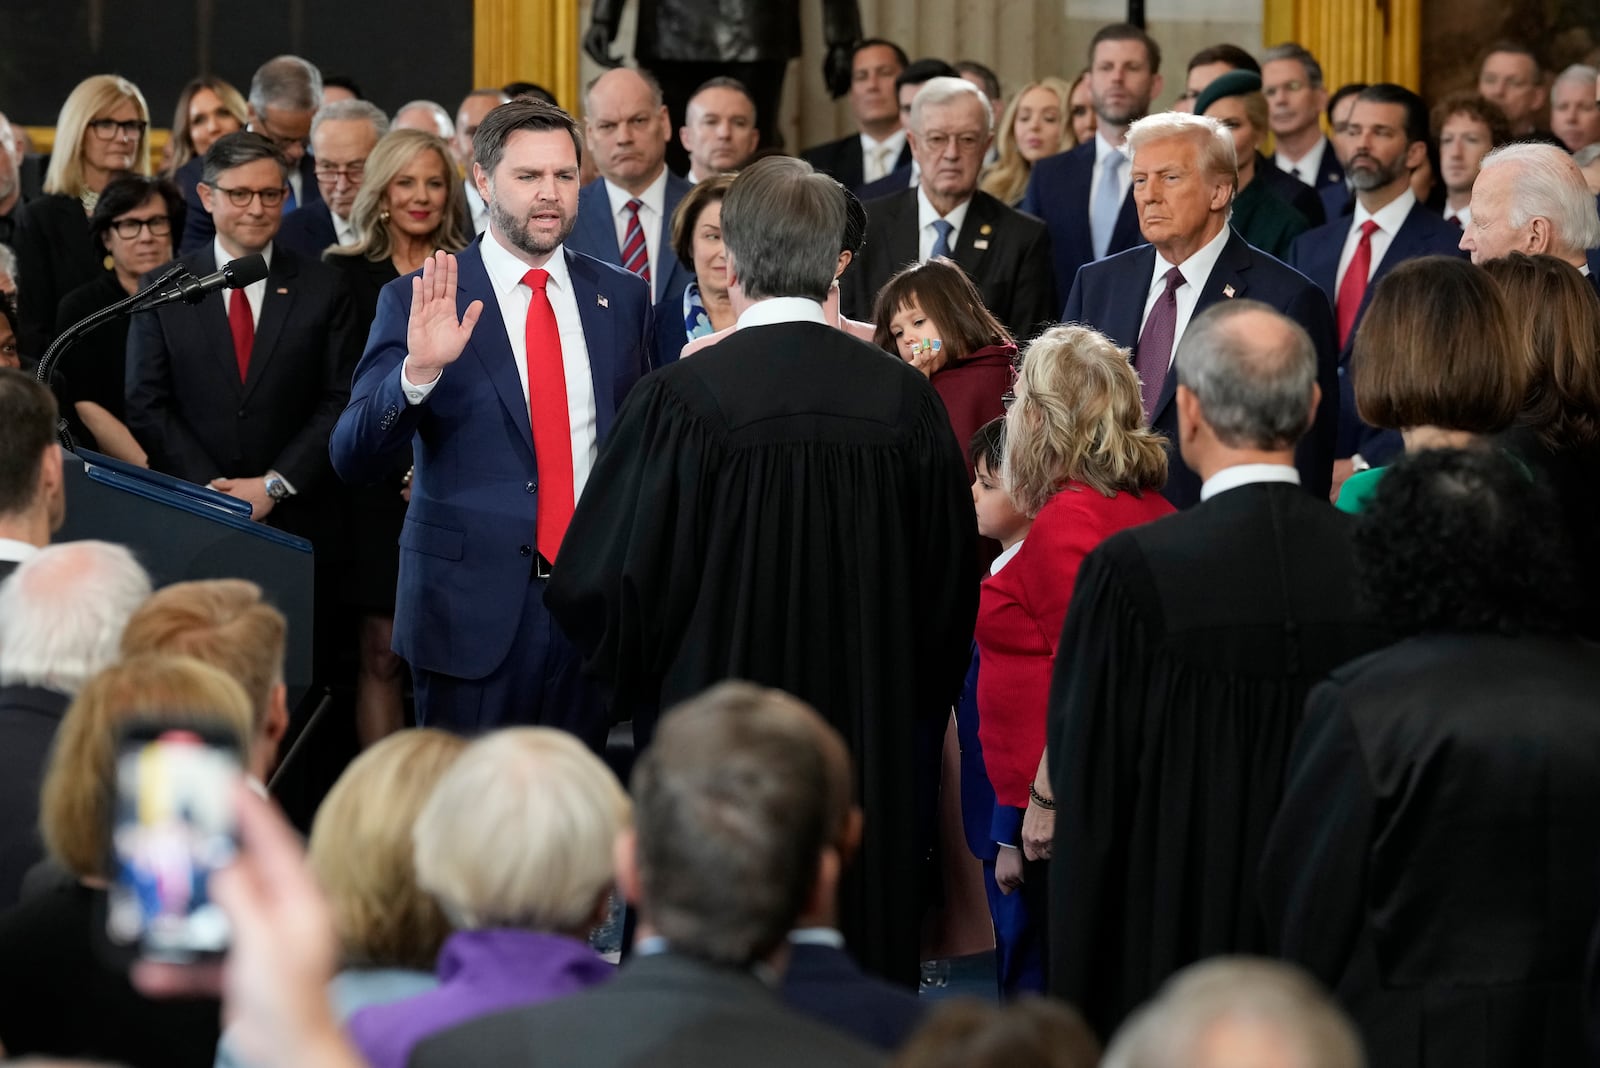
(635, 253)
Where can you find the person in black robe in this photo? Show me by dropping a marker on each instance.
(790, 507)
(1182, 673)
(1433, 861)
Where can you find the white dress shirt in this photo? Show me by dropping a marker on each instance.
(927, 215)
(505, 273)
(879, 157)
(652, 211)
(297, 183)
(1196, 273)
(17, 551)
(343, 232)
(775, 310)
(475, 204)
(255, 292)
(1247, 474)
(1005, 557)
(1124, 174)
(1308, 167)
(1389, 219)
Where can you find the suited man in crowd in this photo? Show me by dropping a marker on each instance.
(879, 146)
(1512, 77)
(1084, 195)
(343, 135)
(1387, 140)
(1531, 197)
(718, 873)
(474, 106)
(506, 370)
(1184, 176)
(1004, 252)
(33, 501)
(719, 128)
(1291, 79)
(285, 93)
(907, 84)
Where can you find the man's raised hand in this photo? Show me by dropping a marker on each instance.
(434, 336)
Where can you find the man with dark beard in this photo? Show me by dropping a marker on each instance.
(504, 417)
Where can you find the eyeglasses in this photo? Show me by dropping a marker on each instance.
(335, 171)
(241, 198)
(160, 226)
(108, 129)
(1287, 87)
(966, 142)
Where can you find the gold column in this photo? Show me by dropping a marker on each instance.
(527, 40)
(1354, 40)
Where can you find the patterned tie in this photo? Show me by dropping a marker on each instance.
(1154, 353)
(1107, 203)
(552, 422)
(941, 238)
(243, 328)
(1353, 286)
(635, 253)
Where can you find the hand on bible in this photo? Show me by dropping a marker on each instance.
(434, 337)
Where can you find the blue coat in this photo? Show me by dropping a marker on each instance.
(465, 555)
(595, 234)
(308, 230)
(1058, 192)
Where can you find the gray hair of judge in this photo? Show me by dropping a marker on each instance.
(352, 110)
(1215, 143)
(1547, 184)
(937, 92)
(781, 225)
(443, 124)
(1254, 372)
(62, 613)
(1213, 1008)
(286, 82)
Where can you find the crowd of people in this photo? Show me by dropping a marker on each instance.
(1217, 527)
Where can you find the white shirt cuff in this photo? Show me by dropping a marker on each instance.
(416, 394)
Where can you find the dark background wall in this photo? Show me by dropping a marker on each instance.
(397, 50)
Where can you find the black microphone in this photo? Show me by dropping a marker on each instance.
(191, 290)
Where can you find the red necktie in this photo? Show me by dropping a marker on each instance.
(1354, 284)
(242, 325)
(552, 422)
(1154, 354)
(635, 253)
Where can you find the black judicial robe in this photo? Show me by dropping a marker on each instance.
(1434, 861)
(790, 507)
(1180, 680)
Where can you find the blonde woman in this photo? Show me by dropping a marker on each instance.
(1037, 123)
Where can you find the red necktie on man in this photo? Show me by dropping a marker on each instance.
(635, 252)
(552, 422)
(1354, 284)
(241, 324)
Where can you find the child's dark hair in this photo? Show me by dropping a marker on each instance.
(944, 292)
(989, 445)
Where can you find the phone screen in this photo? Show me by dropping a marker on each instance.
(174, 826)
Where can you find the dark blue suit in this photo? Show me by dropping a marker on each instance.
(308, 230)
(1058, 192)
(826, 984)
(596, 235)
(469, 611)
(896, 181)
(1110, 296)
(1316, 254)
(198, 229)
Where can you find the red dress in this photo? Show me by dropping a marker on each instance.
(1020, 614)
(972, 390)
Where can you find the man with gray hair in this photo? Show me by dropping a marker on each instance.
(343, 135)
(1574, 115)
(1532, 198)
(474, 106)
(1190, 646)
(1184, 177)
(1003, 251)
(11, 195)
(1291, 80)
(427, 116)
(790, 507)
(61, 619)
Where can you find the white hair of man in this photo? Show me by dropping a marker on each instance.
(1210, 136)
(1272, 1005)
(286, 82)
(1547, 184)
(1578, 73)
(62, 613)
(346, 110)
(936, 92)
(444, 125)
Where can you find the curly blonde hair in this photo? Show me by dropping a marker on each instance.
(1007, 180)
(1077, 418)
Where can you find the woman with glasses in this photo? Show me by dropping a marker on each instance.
(133, 225)
(100, 133)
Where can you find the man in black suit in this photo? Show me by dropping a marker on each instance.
(61, 615)
(343, 135)
(1540, 189)
(33, 500)
(1189, 647)
(1004, 252)
(1184, 178)
(1291, 78)
(907, 84)
(880, 145)
(731, 840)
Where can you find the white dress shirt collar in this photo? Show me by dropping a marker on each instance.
(879, 157)
(475, 204)
(1005, 557)
(17, 551)
(1102, 146)
(775, 310)
(1247, 474)
(927, 215)
(506, 270)
(1196, 273)
(1309, 166)
(343, 232)
(1390, 216)
(817, 936)
(653, 197)
(255, 292)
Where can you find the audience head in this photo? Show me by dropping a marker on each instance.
(531, 90)
(719, 129)
(134, 221)
(62, 613)
(474, 106)
(1235, 100)
(227, 624)
(103, 128)
(949, 129)
(1387, 136)
(410, 188)
(10, 325)
(697, 232)
(532, 135)
(1209, 64)
(781, 223)
(1247, 384)
(628, 127)
(427, 116)
(1462, 540)
(1084, 120)
(1438, 348)
(1574, 115)
(285, 93)
(1340, 105)
(1227, 1012)
(934, 301)
(1512, 77)
(873, 68)
(361, 852)
(997, 514)
(208, 107)
(10, 158)
(32, 494)
(1466, 127)
(1037, 123)
(79, 780)
(1556, 311)
(343, 135)
(243, 182)
(734, 835)
(336, 87)
(985, 79)
(1291, 80)
(1531, 198)
(1077, 418)
(1124, 75)
(1032, 1032)
(1180, 215)
(542, 789)
(909, 82)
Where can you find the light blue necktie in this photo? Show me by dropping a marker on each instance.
(941, 239)
(1107, 203)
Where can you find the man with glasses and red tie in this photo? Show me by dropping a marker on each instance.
(499, 371)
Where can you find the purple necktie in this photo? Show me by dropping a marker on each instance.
(1154, 353)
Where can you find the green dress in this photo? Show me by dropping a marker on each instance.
(1358, 489)
(1265, 221)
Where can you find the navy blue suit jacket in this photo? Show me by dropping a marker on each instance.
(1110, 296)
(842, 160)
(826, 984)
(595, 234)
(896, 181)
(308, 230)
(1058, 192)
(465, 557)
(1316, 254)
